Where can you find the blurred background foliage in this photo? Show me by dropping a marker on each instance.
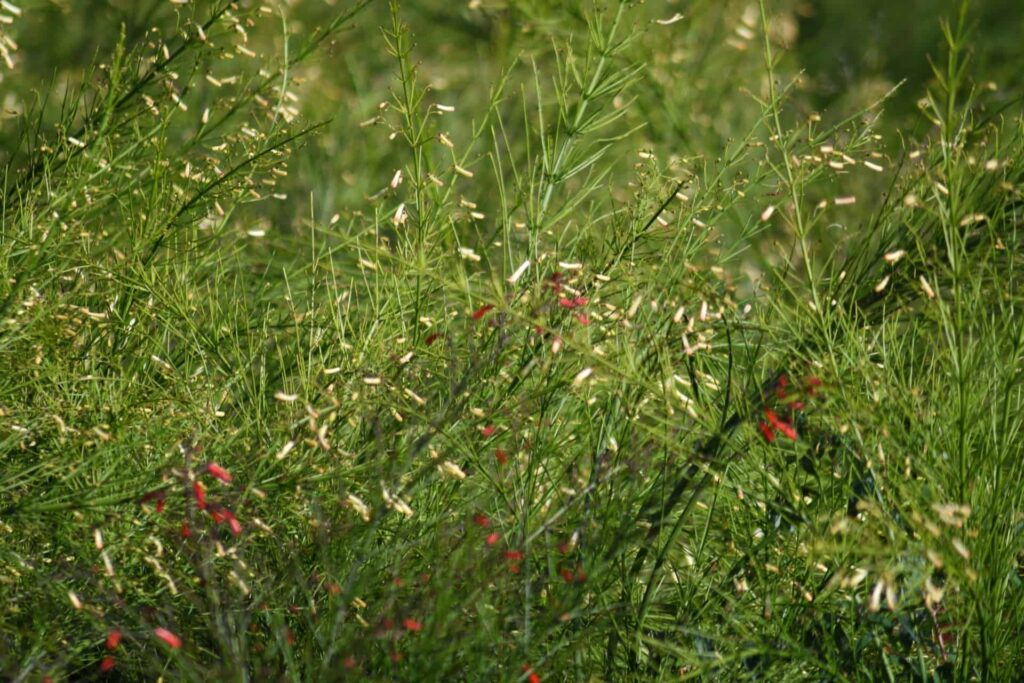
(700, 74)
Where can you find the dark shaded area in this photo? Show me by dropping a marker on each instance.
(842, 43)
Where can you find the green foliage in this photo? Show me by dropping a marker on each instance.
(506, 340)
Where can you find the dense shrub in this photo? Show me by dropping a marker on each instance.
(570, 342)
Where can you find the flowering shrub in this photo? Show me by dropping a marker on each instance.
(589, 350)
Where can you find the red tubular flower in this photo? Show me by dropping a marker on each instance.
(185, 530)
(583, 319)
(113, 639)
(766, 432)
(482, 311)
(107, 664)
(481, 520)
(514, 568)
(233, 523)
(493, 538)
(501, 456)
(567, 574)
(488, 431)
(780, 424)
(172, 641)
(200, 493)
(531, 675)
(160, 506)
(218, 472)
(787, 430)
(412, 625)
(513, 555)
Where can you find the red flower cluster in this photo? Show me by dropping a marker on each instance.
(789, 401)
(110, 661)
(570, 576)
(776, 423)
(219, 513)
(573, 303)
